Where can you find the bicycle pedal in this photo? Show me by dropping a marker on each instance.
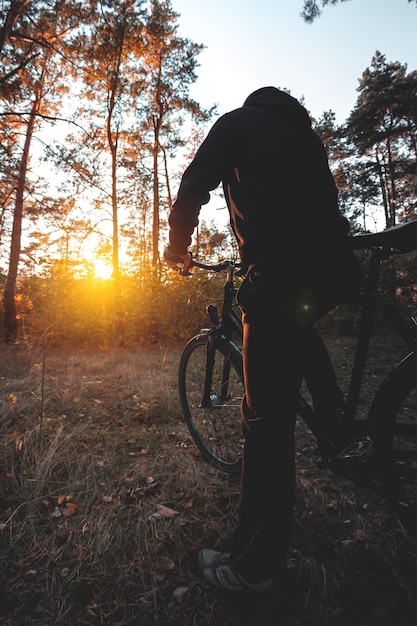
(358, 452)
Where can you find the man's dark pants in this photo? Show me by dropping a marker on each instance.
(277, 354)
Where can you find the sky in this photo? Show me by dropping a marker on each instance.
(255, 43)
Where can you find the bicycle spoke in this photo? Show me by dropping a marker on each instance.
(214, 421)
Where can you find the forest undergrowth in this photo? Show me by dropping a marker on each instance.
(105, 501)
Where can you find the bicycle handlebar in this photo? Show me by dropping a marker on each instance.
(216, 267)
(400, 239)
(212, 267)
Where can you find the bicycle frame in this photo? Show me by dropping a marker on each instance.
(371, 303)
(230, 323)
(381, 246)
(377, 449)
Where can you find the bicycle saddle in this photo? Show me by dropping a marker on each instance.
(402, 237)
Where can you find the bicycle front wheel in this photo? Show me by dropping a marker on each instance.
(211, 397)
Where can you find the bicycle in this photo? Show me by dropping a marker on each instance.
(378, 450)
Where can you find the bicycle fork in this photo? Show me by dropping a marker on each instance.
(211, 398)
(207, 401)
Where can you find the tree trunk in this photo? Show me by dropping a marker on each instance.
(10, 318)
(155, 217)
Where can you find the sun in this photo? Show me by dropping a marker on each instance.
(102, 269)
(99, 259)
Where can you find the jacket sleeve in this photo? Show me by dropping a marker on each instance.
(204, 174)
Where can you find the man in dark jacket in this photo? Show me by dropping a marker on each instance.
(283, 208)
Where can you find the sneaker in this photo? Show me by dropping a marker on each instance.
(215, 569)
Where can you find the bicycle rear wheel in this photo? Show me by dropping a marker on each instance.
(214, 423)
(393, 428)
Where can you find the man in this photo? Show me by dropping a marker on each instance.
(283, 208)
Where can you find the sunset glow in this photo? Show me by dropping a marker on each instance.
(102, 269)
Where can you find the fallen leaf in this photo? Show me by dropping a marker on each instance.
(18, 446)
(69, 509)
(140, 492)
(62, 499)
(13, 400)
(165, 511)
(166, 563)
(180, 592)
(30, 574)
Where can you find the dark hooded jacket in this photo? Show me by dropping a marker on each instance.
(279, 191)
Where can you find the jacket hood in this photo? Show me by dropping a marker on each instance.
(275, 99)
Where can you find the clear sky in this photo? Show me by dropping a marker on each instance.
(254, 43)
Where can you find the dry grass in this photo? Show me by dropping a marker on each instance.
(105, 501)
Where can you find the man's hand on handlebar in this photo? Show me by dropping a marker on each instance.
(179, 262)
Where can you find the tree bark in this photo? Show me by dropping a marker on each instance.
(10, 317)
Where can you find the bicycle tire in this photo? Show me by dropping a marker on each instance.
(393, 428)
(216, 430)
